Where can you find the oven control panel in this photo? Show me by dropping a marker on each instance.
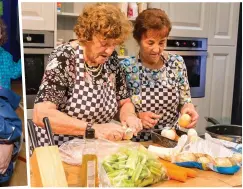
(187, 44)
(184, 43)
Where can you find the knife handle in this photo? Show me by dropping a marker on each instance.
(48, 130)
(32, 134)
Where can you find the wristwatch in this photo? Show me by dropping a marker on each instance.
(89, 126)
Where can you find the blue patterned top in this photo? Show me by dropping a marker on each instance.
(137, 75)
(8, 69)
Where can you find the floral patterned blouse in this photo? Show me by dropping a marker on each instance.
(156, 77)
(59, 77)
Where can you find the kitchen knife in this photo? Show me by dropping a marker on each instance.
(32, 134)
(48, 130)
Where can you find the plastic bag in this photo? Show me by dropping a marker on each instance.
(235, 147)
(71, 151)
(168, 153)
(131, 166)
(120, 164)
(208, 155)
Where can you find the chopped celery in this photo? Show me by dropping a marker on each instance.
(111, 159)
(127, 183)
(143, 158)
(116, 173)
(132, 160)
(155, 171)
(139, 181)
(152, 163)
(146, 182)
(122, 156)
(123, 183)
(121, 166)
(137, 172)
(145, 173)
(130, 172)
(107, 167)
(125, 150)
(119, 178)
(122, 162)
(115, 166)
(131, 167)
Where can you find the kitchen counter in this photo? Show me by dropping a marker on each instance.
(203, 179)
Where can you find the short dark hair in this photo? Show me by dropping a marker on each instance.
(4, 37)
(151, 18)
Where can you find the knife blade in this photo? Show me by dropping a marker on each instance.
(48, 130)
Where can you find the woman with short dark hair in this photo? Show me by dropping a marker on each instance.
(157, 81)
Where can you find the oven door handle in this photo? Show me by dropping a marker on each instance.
(189, 53)
(38, 50)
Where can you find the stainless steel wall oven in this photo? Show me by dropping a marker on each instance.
(194, 53)
(37, 47)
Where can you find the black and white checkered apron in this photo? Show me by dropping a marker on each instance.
(161, 98)
(89, 102)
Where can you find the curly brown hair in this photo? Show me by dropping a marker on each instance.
(105, 20)
(3, 32)
(151, 18)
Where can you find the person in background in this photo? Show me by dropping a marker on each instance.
(10, 134)
(8, 68)
(157, 81)
(83, 84)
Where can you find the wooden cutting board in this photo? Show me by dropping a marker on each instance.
(46, 167)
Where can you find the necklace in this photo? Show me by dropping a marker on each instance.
(91, 70)
(95, 69)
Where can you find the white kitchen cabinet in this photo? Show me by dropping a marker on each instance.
(220, 82)
(223, 23)
(188, 19)
(38, 16)
(67, 19)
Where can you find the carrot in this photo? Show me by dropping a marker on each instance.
(190, 172)
(177, 175)
(169, 165)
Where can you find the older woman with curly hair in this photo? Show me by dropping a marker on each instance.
(8, 68)
(83, 85)
(157, 81)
